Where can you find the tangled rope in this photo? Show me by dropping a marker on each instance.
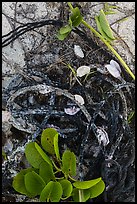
(100, 131)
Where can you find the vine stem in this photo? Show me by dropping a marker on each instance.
(106, 43)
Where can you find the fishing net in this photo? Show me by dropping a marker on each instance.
(100, 132)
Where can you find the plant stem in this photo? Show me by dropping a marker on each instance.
(73, 71)
(80, 192)
(70, 6)
(72, 178)
(107, 44)
(58, 169)
(110, 47)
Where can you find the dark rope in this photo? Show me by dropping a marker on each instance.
(20, 30)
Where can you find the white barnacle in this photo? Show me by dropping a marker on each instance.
(78, 51)
(102, 136)
(79, 99)
(83, 70)
(114, 69)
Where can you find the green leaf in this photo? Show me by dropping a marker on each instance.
(65, 29)
(43, 154)
(19, 184)
(46, 172)
(52, 192)
(101, 31)
(76, 17)
(47, 140)
(108, 7)
(62, 36)
(105, 25)
(70, 22)
(109, 12)
(69, 163)
(34, 183)
(4, 155)
(97, 189)
(86, 184)
(32, 155)
(56, 148)
(67, 188)
(78, 194)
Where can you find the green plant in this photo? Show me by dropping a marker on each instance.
(51, 177)
(4, 155)
(105, 33)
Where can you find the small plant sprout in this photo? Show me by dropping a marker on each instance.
(130, 117)
(78, 51)
(109, 9)
(4, 155)
(51, 176)
(82, 71)
(105, 33)
(73, 72)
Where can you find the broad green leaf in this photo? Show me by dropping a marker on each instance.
(86, 184)
(69, 163)
(82, 195)
(65, 29)
(76, 17)
(47, 140)
(46, 172)
(62, 36)
(32, 155)
(105, 25)
(43, 154)
(19, 184)
(34, 183)
(101, 31)
(52, 192)
(67, 188)
(97, 189)
(56, 148)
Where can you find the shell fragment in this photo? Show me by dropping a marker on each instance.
(79, 99)
(83, 70)
(114, 69)
(78, 51)
(72, 110)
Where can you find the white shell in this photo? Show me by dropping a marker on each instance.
(79, 99)
(72, 110)
(78, 51)
(114, 69)
(115, 64)
(83, 70)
